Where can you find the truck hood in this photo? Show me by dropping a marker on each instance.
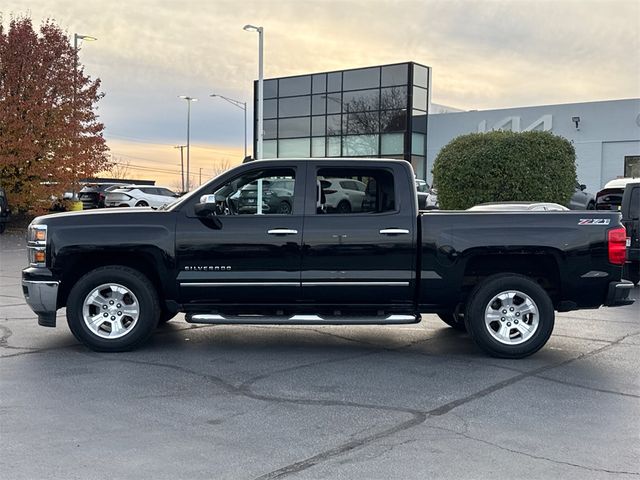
(124, 216)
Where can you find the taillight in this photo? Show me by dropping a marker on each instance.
(617, 245)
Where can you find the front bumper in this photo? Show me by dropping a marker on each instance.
(618, 294)
(42, 297)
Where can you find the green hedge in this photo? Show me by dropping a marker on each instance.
(504, 166)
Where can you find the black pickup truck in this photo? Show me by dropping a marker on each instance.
(501, 276)
(631, 220)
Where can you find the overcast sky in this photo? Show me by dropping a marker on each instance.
(484, 55)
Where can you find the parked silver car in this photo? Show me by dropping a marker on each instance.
(519, 207)
(581, 199)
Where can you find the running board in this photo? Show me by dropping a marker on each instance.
(217, 319)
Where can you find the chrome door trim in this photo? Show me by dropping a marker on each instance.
(355, 283)
(240, 284)
(282, 231)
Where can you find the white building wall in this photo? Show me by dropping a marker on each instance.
(608, 131)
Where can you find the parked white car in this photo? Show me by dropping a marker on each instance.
(343, 195)
(139, 196)
(427, 196)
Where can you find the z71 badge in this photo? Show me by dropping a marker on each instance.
(594, 221)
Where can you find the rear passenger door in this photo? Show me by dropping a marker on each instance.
(366, 256)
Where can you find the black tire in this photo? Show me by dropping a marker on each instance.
(479, 301)
(454, 320)
(284, 208)
(132, 280)
(591, 206)
(142, 203)
(631, 272)
(344, 207)
(2, 227)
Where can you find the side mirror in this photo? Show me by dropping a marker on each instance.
(207, 214)
(204, 209)
(583, 187)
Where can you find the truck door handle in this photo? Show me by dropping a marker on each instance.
(282, 231)
(394, 231)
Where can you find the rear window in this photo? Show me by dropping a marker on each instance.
(609, 199)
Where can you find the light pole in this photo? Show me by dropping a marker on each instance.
(181, 147)
(260, 30)
(76, 37)
(189, 100)
(242, 106)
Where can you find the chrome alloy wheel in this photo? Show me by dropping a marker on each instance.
(512, 317)
(110, 310)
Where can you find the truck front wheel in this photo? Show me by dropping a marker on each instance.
(510, 316)
(113, 309)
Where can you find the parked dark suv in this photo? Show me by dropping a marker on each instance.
(277, 197)
(92, 195)
(631, 221)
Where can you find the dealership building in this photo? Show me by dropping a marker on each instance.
(369, 112)
(605, 135)
(381, 111)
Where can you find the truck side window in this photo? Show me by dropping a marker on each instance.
(265, 192)
(355, 190)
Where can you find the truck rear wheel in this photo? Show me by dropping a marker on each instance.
(113, 309)
(510, 316)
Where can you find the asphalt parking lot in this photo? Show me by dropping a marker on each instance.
(242, 402)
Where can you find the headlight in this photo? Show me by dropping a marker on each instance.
(37, 234)
(37, 245)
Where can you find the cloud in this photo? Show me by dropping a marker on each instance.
(489, 54)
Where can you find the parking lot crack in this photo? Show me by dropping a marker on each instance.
(420, 417)
(593, 389)
(446, 408)
(247, 383)
(536, 457)
(417, 419)
(5, 333)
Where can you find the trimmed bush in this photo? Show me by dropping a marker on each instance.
(504, 166)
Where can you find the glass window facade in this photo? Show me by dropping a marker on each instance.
(366, 112)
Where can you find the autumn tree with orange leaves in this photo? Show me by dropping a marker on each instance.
(50, 135)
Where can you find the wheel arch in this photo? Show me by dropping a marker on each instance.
(543, 266)
(77, 265)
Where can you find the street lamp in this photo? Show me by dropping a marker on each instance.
(77, 37)
(260, 30)
(242, 106)
(189, 100)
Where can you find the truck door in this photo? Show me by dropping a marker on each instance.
(250, 251)
(360, 254)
